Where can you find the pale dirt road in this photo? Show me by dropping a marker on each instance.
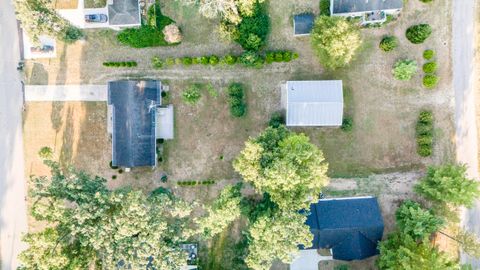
(464, 15)
(13, 216)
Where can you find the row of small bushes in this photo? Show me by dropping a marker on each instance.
(430, 80)
(120, 64)
(196, 183)
(236, 100)
(424, 133)
(248, 58)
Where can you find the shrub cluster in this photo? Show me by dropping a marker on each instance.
(149, 34)
(236, 100)
(404, 70)
(253, 30)
(120, 64)
(418, 33)
(424, 133)
(277, 119)
(388, 43)
(347, 124)
(196, 183)
(248, 58)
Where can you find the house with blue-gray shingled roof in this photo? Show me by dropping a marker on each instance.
(370, 11)
(343, 229)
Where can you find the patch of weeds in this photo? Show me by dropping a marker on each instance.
(347, 124)
(277, 119)
(211, 90)
(191, 95)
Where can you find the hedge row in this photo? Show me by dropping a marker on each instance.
(248, 58)
(120, 64)
(424, 133)
(236, 100)
(196, 183)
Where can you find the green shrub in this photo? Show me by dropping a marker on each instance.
(277, 119)
(278, 57)
(347, 124)
(253, 30)
(211, 90)
(230, 59)
(72, 34)
(114, 177)
(123, 64)
(404, 69)
(47, 153)
(428, 54)
(251, 59)
(236, 100)
(170, 61)
(426, 1)
(325, 7)
(418, 33)
(430, 81)
(191, 95)
(195, 60)
(147, 35)
(424, 133)
(430, 67)
(269, 57)
(388, 43)
(294, 55)
(187, 61)
(287, 56)
(213, 60)
(204, 60)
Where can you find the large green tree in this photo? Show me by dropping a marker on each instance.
(415, 221)
(38, 17)
(221, 213)
(276, 236)
(285, 165)
(91, 225)
(335, 41)
(449, 184)
(401, 252)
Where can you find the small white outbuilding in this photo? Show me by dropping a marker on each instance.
(314, 103)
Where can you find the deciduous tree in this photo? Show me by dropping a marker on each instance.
(449, 184)
(415, 221)
(91, 225)
(277, 237)
(286, 166)
(335, 41)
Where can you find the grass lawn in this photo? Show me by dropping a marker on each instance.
(95, 3)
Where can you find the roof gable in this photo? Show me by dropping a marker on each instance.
(351, 227)
(124, 12)
(352, 6)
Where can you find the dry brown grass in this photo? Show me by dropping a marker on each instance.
(65, 4)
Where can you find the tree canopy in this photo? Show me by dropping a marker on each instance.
(285, 165)
(449, 184)
(415, 221)
(223, 211)
(335, 41)
(38, 17)
(230, 10)
(400, 252)
(91, 225)
(276, 236)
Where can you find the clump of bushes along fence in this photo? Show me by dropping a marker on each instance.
(196, 183)
(248, 59)
(424, 132)
(236, 100)
(120, 64)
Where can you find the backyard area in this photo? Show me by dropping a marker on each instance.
(377, 157)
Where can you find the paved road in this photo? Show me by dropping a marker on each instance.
(66, 92)
(465, 121)
(13, 217)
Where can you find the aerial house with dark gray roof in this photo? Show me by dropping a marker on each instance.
(371, 11)
(136, 119)
(343, 229)
(314, 103)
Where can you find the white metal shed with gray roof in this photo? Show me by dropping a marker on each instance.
(314, 103)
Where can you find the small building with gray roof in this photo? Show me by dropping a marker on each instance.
(314, 103)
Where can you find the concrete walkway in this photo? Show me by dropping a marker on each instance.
(65, 93)
(13, 210)
(465, 117)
